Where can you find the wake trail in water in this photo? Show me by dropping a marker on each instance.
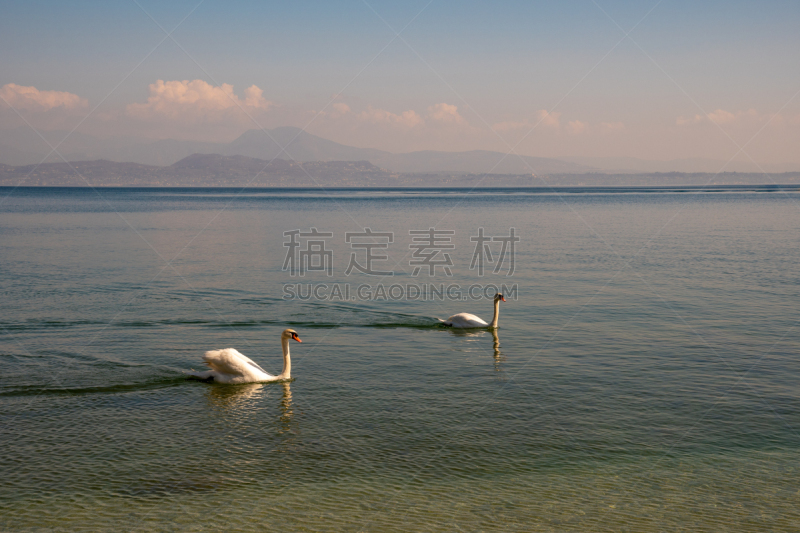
(151, 384)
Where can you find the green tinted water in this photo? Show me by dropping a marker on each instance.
(644, 378)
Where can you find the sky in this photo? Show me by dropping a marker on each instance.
(598, 78)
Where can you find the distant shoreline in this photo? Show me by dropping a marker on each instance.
(211, 170)
(599, 189)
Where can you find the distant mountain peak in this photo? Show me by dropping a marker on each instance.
(289, 142)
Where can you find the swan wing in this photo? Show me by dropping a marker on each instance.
(466, 320)
(248, 360)
(232, 362)
(251, 363)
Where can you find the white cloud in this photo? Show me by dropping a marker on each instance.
(446, 114)
(682, 121)
(407, 119)
(577, 127)
(338, 110)
(197, 101)
(32, 99)
(253, 98)
(439, 114)
(543, 118)
(728, 118)
(341, 108)
(547, 118)
(720, 116)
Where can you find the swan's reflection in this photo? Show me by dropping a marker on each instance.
(230, 397)
(476, 334)
(498, 356)
(251, 397)
(467, 332)
(255, 414)
(287, 410)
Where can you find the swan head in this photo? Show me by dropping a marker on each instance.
(290, 334)
(499, 297)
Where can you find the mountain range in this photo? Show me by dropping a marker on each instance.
(215, 170)
(198, 170)
(22, 146)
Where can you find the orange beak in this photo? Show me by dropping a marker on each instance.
(297, 338)
(503, 298)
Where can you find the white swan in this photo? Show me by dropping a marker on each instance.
(468, 320)
(230, 366)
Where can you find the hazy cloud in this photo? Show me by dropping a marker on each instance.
(442, 114)
(720, 116)
(723, 118)
(612, 126)
(337, 110)
(547, 118)
(446, 114)
(543, 118)
(32, 99)
(341, 108)
(682, 121)
(577, 127)
(407, 119)
(197, 101)
(253, 98)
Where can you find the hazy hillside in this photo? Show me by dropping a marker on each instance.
(689, 165)
(11, 155)
(22, 146)
(215, 170)
(476, 162)
(199, 170)
(300, 146)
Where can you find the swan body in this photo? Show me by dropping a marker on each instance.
(468, 320)
(230, 366)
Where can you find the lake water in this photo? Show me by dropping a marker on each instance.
(644, 376)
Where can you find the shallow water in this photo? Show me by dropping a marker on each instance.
(644, 376)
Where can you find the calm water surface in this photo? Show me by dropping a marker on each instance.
(645, 378)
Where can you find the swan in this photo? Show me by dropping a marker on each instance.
(230, 366)
(468, 320)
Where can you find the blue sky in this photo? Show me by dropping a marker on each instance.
(692, 80)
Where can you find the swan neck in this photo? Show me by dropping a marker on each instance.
(496, 315)
(287, 360)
